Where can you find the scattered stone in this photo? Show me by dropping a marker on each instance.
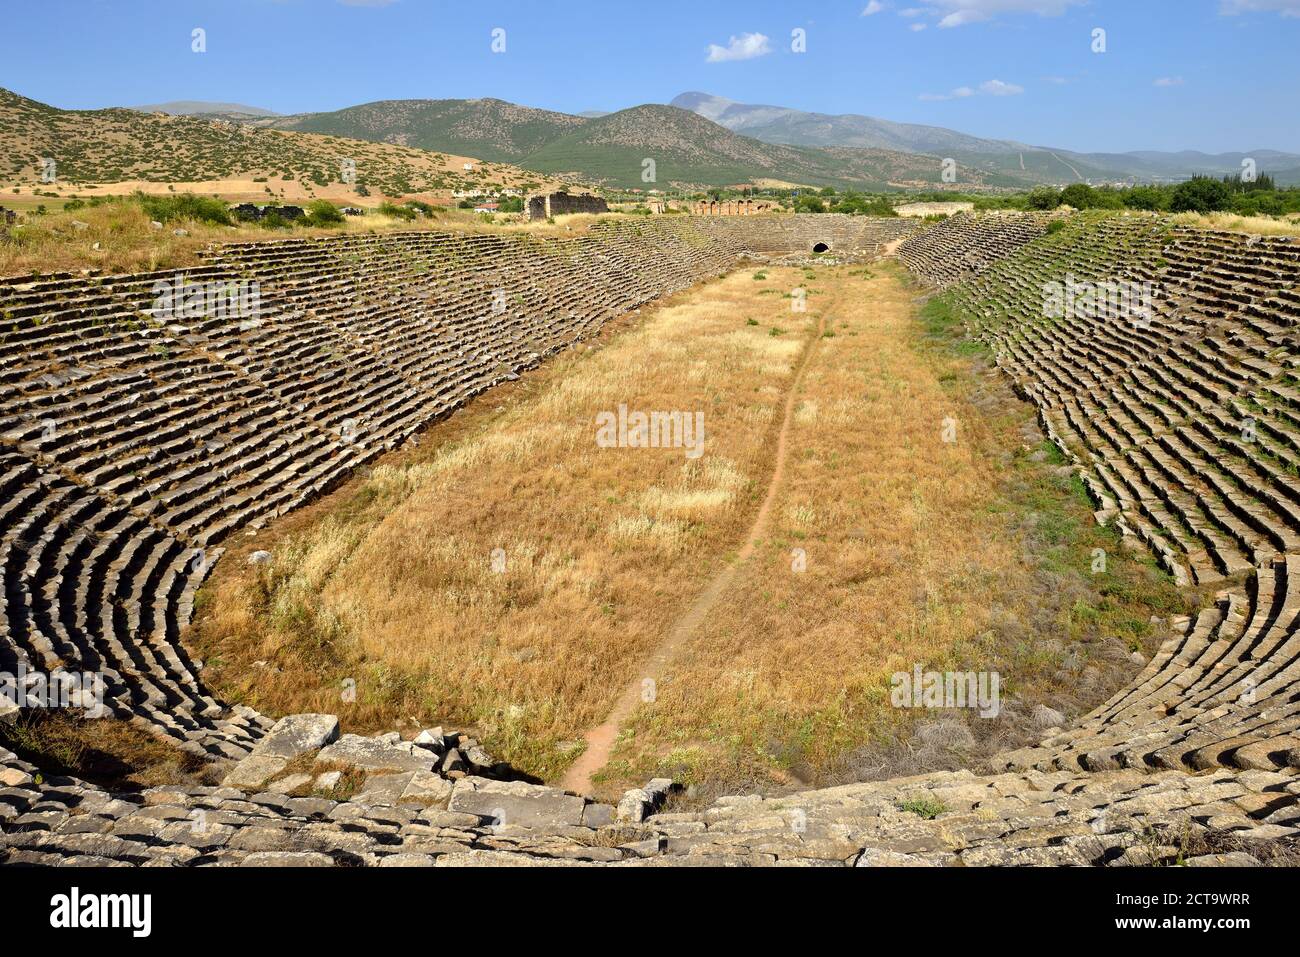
(427, 788)
(289, 783)
(298, 734)
(378, 754)
(254, 771)
(287, 859)
(454, 764)
(384, 788)
(327, 781)
(879, 857)
(13, 778)
(1231, 859)
(632, 806)
(516, 803)
(597, 815)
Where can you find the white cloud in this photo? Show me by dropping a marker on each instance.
(744, 47)
(1170, 81)
(872, 8)
(988, 88)
(918, 27)
(998, 88)
(956, 13)
(1056, 80)
(1288, 8)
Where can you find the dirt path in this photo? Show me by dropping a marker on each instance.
(1071, 168)
(600, 740)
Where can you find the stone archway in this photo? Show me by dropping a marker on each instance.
(821, 247)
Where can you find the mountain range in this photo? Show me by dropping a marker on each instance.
(121, 146)
(612, 148)
(744, 142)
(696, 140)
(203, 108)
(778, 124)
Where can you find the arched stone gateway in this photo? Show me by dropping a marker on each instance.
(821, 247)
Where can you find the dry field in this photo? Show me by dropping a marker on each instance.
(1258, 225)
(513, 576)
(119, 237)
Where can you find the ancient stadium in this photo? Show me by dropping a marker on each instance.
(140, 456)
(452, 483)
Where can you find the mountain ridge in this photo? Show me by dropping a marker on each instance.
(786, 125)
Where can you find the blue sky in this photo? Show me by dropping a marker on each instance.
(1213, 75)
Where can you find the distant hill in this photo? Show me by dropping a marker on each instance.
(689, 149)
(490, 129)
(123, 146)
(610, 147)
(1019, 161)
(777, 124)
(200, 107)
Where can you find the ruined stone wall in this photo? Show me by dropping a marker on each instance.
(782, 235)
(558, 204)
(730, 207)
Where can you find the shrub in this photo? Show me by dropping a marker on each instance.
(185, 206)
(1043, 197)
(1055, 226)
(1200, 194)
(926, 807)
(1149, 198)
(322, 212)
(1079, 195)
(397, 212)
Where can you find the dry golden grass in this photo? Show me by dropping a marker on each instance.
(111, 753)
(901, 552)
(916, 549)
(913, 551)
(128, 243)
(1261, 225)
(602, 546)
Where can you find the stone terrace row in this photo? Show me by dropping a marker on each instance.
(133, 439)
(1181, 420)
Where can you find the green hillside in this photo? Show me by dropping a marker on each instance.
(491, 130)
(689, 149)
